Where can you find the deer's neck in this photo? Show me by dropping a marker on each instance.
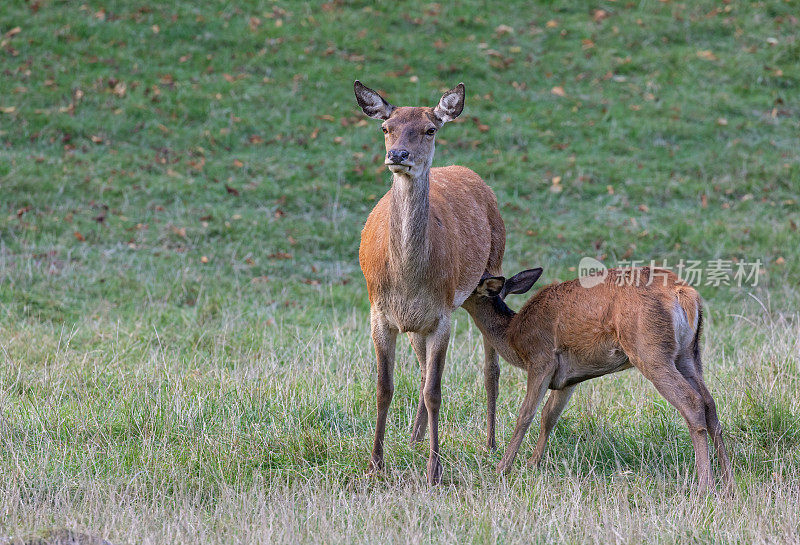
(493, 317)
(408, 222)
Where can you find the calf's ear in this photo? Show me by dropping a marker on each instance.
(522, 281)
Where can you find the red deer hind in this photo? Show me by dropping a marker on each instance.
(424, 248)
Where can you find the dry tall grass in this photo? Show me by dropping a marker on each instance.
(133, 443)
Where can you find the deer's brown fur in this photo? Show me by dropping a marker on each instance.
(462, 210)
(567, 333)
(424, 248)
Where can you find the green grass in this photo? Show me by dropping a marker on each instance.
(184, 350)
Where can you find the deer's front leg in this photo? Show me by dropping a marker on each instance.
(537, 387)
(421, 418)
(555, 405)
(436, 349)
(384, 337)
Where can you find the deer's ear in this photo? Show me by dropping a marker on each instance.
(522, 281)
(490, 286)
(371, 102)
(451, 104)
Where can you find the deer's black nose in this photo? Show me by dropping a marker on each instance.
(397, 155)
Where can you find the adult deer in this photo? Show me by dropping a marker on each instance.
(424, 248)
(567, 333)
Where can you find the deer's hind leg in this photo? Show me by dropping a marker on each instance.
(491, 381)
(649, 339)
(671, 384)
(690, 367)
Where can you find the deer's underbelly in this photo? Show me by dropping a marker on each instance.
(572, 368)
(411, 313)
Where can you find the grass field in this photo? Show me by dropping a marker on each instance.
(184, 349)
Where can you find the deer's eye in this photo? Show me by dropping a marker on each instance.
(431, 131)
(385, 130)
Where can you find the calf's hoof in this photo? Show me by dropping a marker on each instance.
(535, 461)
(504, 467)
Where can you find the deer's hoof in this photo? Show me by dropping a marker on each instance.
(375, 465)
(535, 461)
(434, 472)
(503, 467)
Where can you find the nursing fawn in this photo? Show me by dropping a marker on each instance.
(567, 333)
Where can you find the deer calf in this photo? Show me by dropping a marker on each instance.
(566, 334)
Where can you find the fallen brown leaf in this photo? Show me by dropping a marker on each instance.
(180, 231)
(707, 55)
(628, 253)
(118, 88)
(280, 255)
